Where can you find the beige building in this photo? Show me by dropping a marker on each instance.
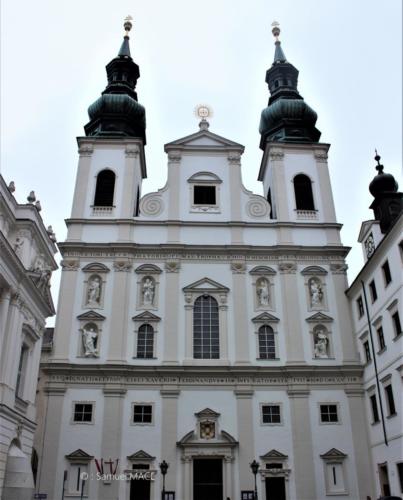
(202, 324)
(26, 264)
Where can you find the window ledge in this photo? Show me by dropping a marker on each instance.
(267, 359)
(392, 415)
(21, 405)
(397, 337)
(144, 359)
(382, 350)
(375, 423)
(306, 214)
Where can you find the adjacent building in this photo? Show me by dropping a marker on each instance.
(26, 264)
(376, 307)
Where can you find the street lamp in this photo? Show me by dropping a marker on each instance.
(164, 468)
(255, 467)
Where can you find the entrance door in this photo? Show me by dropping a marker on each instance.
(384, 479)
(140, 488)
(275, 488)
(207, 479)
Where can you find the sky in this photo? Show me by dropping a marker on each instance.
(215, 52)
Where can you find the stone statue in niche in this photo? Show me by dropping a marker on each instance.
(315, 292)
(321, 345)
(148, 291)
(94, 291)
(207, 430)
(262, 291)
(90, 337)
(19, 243)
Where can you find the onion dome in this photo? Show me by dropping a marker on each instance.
(117, 113)
(388, 202)
(287, 117)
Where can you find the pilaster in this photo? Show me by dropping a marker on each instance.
(169, 432)
(245, 420)
(240, 322)
(173, 298)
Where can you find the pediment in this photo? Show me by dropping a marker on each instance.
(207, 413)
(265, 317)
(333, 453)
(96, 267)
(148, 269)
(140, 455)
(146, 316)
(79, 454)
(262, 270)
(203, 139)
(314, 271)
(274, 455)
(205, 285)
(91, 315)
(223, 439)
(319, 318)
(201, 177)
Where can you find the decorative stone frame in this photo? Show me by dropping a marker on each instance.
(275, 457)
(330, 459)
(268, 424)
(378, 323)
(29, 338)
(259, 273)
(321, 321)
(334, 403)
(103, 211)
(145, 318)
(393, 308)
(142, 424)
(206, 286)
(210, 417)
(270, 320)
(73, 403)
(143, 458)
(152, 272)
(204, 179)
(89, 318)
(317, 274)
(301, 213)
(76, 458)
(93, 270)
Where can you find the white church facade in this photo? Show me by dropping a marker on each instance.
(203, 325)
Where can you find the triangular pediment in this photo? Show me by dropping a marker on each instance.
(207, 413)
(274, 455)
(203, 139)
(79, 455)
(205, 284)
(91, 315)
(333, 453)
(319, 318)
(146, 316)
(265, 317)
(140, 455)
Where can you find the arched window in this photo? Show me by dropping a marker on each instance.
(105, 188)
(206, 342)
(145, 341)
(303, 192)
(267, 347)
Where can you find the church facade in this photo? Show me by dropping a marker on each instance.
(203, 326)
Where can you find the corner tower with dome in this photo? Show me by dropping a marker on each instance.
(203, 326)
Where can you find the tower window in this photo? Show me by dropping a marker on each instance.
(204, 195)
(374, 408)
(105, 188)
(360, 307)
(372, 289)
(303, 192)
(267, 348)
(390, 399)
(386, 273)
(206, 342)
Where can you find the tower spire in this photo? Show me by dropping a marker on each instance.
(125, 47)
(279, 56)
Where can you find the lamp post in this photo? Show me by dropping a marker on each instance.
(164, 468)
(255, 467)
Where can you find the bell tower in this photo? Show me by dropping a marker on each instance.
(294, 167)
(112, 162)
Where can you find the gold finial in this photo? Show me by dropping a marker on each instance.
(128, 24)
(275, 30)
(203, 111)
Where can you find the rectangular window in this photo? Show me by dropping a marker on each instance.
(374, 408)
(396, 324)
(360, 307)
(372, 289)
(271, 414)
(386, 273)
(400, 474)
(381, 338)
(22, 367)
(142, 414)
(204, 195)
(390, 400)
(367, 351)
(83, 412)
(247, 495)
(328, 414)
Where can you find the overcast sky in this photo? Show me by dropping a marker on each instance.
(53, 57)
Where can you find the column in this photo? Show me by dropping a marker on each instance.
(244, 399)
(186, 483)
(235, 181)
(12, 343)
(228, 460)
(173, 300)
(303, 458)
(240, 313)
(174, 194)
(359, 434)
(50, 479)
(169, 415)
(112, 436)
(82, 186)
(117, 325)
(291, 318)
